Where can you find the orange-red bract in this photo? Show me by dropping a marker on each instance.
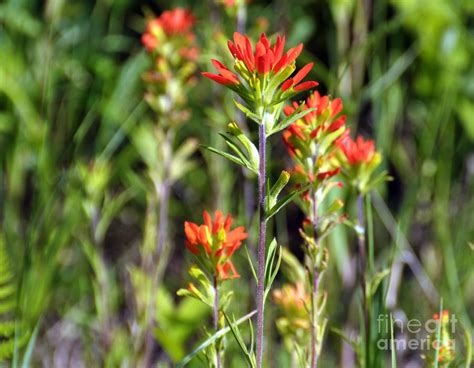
(263, 59)
(357, 151)
(215, 242)
(171, 22)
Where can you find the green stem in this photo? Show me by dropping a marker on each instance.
(216, 320)
(262, 198)
(362, 269)
(370, 233)
(152, 268)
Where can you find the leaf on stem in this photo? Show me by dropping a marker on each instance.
(249, 356)
(213, 338)
(252, 268)
(299, 113)
(275, 191)
(283, 202)
(272, 265)
(248, 113)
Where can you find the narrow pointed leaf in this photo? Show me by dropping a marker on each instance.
(225, 155)
(299, 113)
(211, 340)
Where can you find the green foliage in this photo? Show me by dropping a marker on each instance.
(8, 324)
(178, 322)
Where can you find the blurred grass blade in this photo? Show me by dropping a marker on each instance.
(392, 344)
(30, 347)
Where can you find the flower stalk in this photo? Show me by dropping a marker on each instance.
(169, 41)
(163, 194)
(213, 244)
(311, 144)
(360, 161)
(262, 195)
(362, 264)
(262, 78)
(314, 341)
(315, 279)
(216, 318)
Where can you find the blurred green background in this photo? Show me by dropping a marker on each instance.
(73, 186)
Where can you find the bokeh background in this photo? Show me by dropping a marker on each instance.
(73, 183)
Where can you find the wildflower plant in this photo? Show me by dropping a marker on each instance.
(360, 161)
(262, 76)
(170, 44)
(213, 245)
(311, 143)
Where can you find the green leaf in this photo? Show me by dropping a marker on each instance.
(247, 163)
(376, 280)
(234, 146)
(299, 113)
(283, 202)
(252, 151)
(252, 268)
(468, 345)
(177, 323)
(30, 347)
(279, 79)
(275, 191)
(272, 267)
(225, 155)
(213, 338)
(329, 139)
(392, 344)
(240, 341)
(248, 113)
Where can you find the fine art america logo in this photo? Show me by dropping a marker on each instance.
(433, 337)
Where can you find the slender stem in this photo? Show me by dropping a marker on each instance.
(164, 197)
(314, 342)
(370, 233)
(362, 265)
(261, 243)
(216, 320)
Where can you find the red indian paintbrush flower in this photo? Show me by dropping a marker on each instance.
(171, 22)
(293, 301)
(264, 60)
(215, 243)
(310, 140)
(360, 160)
(357, 151)
(316, 124)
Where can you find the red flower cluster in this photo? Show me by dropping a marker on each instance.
(356, 151)
(322, 104)
(314, 124)
(171, 22)
(215, 242)
(263, 60)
